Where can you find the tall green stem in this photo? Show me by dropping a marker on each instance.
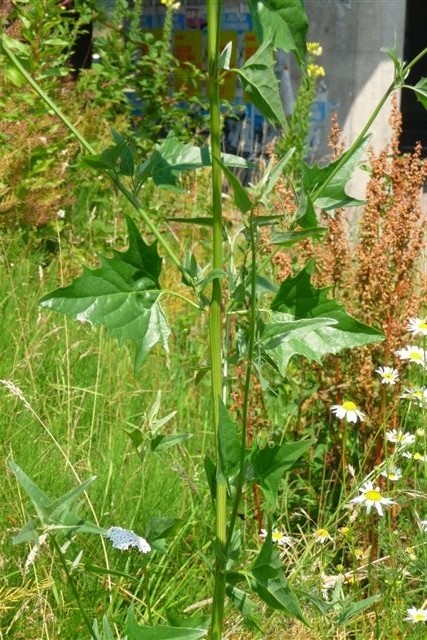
(249, 367)
(74, 589)
(215, 327)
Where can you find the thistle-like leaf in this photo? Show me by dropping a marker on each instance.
(261, 85)
(122, 295)
(284, 22)
(305, 321)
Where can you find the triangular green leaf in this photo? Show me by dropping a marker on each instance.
(41, 501)
(261, 85)
(158, 527)
(121, 295)
(283, 22)
(289, 238)
(27, 533)
(420, 90)
(162, 442)
(268, 464)
(54, 515)
(241, 198)
(172, 156)
(298, 299)
(270, 584)
(325, 186)
(351, 610)
(244, 604)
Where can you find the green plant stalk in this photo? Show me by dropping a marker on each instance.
(247, 386)
(214, 8)
(74, 589)
(86, 145)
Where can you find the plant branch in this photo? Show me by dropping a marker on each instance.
(214, 8)
(74, 589)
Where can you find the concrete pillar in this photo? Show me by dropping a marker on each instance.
(352, 33)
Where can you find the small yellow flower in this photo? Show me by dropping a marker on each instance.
(315, 70)
(314, 49)
(170, 4)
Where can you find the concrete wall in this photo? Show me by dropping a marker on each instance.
(352, 33)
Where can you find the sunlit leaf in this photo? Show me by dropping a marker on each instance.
(55, 515)
(241, 197)
(122, 295)
(172, 156)
(325, 186)
(289, 238)
(261, 85)
(297, 299)
(283, 22)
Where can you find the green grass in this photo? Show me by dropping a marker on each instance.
(79, 396)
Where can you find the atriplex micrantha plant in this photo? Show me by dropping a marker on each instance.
(252, 322)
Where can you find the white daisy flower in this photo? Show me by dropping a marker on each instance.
(416, 615)
(348, 411)
(416, 326)
(392, 473)
(371, 496)
(399, 438)
(423, 524)
(413, 354)
(125, 538)
(278, 537)
(322, 535)
(388, 375)
(419, 396)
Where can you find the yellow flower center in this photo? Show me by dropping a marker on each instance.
(415, 355)
(373, 495)
(322, 533)
(276, 535)
(423, 326)
(349, 406)
(419, 617)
